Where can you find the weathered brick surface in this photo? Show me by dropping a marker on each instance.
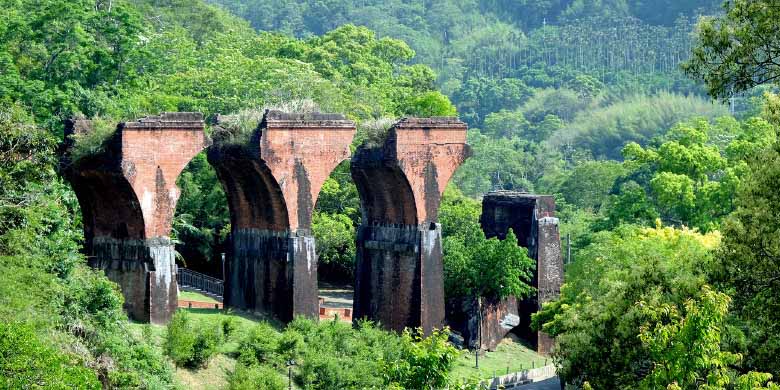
(549, 275)
(301, 150)
(399, 272)
(272, 184)
(128, 196)
(185, 303)
(532, 218)
(429, 150)
(154, 152)
(497, 319)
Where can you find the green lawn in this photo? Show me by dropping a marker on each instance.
(509, 356)
(195, 296)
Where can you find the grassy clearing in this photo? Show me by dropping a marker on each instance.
(196, 297)
(509, 355)
(212, 377)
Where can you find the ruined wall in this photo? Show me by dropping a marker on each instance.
(272, 183)
(549, 274)
(497, 319)
(399, 270)
(532, 218)
(128, 196)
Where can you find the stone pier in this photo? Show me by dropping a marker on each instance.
(128, 194)
(399, 272)
(272, 181)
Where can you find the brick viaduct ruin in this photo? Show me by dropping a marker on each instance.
(532, 219)
(128, 196)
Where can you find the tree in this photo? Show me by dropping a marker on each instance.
(425, 362)
(335, 235)
(590, 183)
(684, 345)
(475, 266)
(506, 124)
(496, 163)
(687, 180)
(749, 262)
(615, 321)
(737, 50)
(429, 104)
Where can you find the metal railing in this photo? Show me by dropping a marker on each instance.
(199, 281)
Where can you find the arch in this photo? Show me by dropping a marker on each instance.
(386, 196)
(255, 198)
(128, 196)
(109, 206)
(256, 272)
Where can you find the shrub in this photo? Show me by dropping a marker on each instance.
(425, 362)
(192, 345)
(291, 345)
(260, 344)
(255, 377)
(229, 326)
(93, 141)
(26, 361)
(373, 132)
(334, 355)
(428, 104)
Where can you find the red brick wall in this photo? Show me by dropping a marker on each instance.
(184, 303)
(301, 156)
(153, 155)
(430, 148)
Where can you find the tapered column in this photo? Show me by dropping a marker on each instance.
(399, 271)
(272, 182)
(127, 193)
(532, 218)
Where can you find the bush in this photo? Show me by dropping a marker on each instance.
(259, 346)
(255, 377)
(428, 104)
(335, 235)
(93, 141)
(425, 362)
(25, 360)
(192, 345)
(334, 355)
(229, 326)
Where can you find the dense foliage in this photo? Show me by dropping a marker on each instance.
(584, 99)
(478, 267)
(333, 355)
(63, 324)
(735, 52)
(749, 262)
(637, 313)
(189, 344)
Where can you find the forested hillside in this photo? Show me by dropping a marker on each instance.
(62, 323)
(669, 196)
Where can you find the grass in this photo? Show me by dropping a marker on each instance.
(196, 297)
(215, 375)
(509, 356)
(212, 377)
